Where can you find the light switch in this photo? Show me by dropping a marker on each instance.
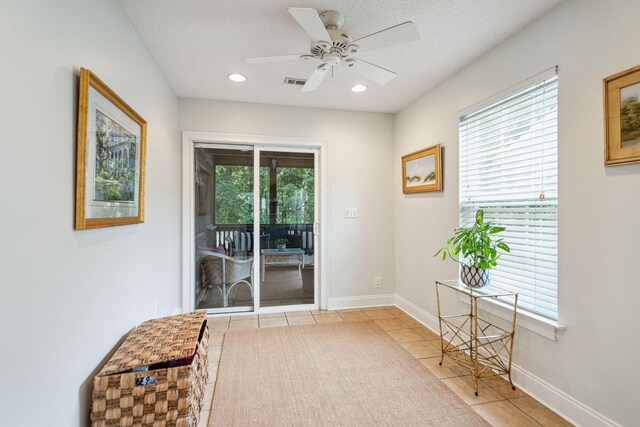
(351, 212)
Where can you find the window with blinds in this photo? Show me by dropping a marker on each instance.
(509, 168)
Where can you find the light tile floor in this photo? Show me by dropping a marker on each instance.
(497, 402)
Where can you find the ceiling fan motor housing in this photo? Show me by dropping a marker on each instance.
(332, 21)
(339, 43)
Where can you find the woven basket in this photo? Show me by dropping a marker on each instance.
(168, 396)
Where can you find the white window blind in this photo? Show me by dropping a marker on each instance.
(509, 168)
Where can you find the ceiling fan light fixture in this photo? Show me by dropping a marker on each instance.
(238, 78)
(358, 88)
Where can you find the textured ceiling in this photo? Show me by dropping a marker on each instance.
(197, 43)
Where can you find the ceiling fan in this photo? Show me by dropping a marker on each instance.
(334, 47)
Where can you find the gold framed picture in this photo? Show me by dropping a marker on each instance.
(110, 164)
(422, 170)
(622, 117)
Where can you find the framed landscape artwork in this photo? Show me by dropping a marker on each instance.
(422, 170)
(622, 117)
(110, 158)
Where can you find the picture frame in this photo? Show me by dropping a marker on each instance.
(110, 160)
(422, 170)
(622, 117)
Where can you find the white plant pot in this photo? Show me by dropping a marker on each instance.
(474, 277)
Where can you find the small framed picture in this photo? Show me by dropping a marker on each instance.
(622, 117)
(110, 161)
(422, 170)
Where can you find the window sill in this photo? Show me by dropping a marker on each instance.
(525, 319)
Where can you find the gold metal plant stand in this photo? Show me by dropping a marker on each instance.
(482, 347)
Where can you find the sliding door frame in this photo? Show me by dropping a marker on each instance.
(259, 143)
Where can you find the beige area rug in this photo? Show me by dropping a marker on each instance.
(333, 374)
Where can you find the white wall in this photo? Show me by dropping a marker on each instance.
(67, 297)
(360, 148)
(593, 361)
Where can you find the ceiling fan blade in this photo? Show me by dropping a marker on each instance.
(401, 33)
(268, 59)
(311, 23)
(372, 72)
(315, 80)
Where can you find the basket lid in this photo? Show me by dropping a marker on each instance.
(157, 341)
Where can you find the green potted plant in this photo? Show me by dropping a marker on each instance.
(281, 244)
(477, 250)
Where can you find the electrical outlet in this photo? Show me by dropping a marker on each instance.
(377, 282)
(351, 212)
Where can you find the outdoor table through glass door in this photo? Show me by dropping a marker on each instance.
(288, 256)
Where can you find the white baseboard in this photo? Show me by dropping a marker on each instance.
(560, 402)
(427, 319)
(361, 301)
(177, 310)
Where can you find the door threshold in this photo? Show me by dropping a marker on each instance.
(245, 311)
(286, 308)
(229, 310)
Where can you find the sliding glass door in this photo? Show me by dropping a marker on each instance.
(240, 266)
(287, 218)
(223, 213)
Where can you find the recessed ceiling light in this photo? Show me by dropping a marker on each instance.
(237, 77)
(358, 88)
